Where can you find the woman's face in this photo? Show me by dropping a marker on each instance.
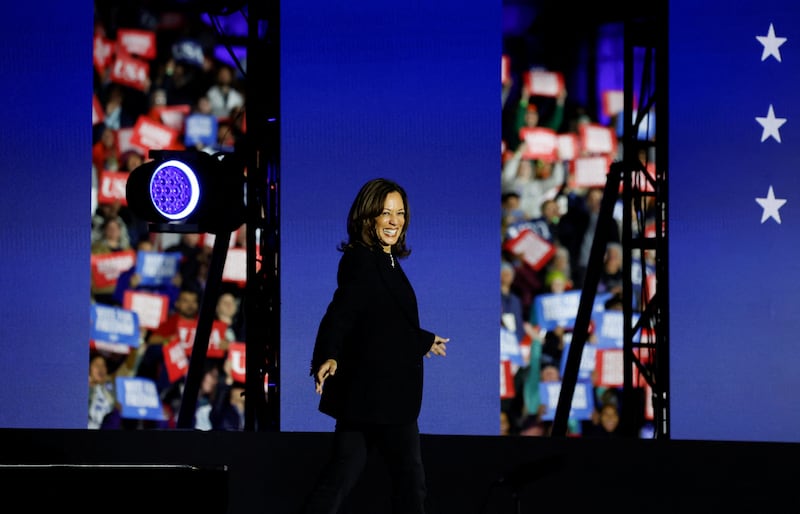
(389, 224)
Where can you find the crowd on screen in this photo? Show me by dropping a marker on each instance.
(160, 84)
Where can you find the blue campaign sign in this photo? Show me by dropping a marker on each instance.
(582, 400)
(200, 129)
(553, 310)
(139, 398)
(114, 325)
(157, 268)
(609, 328)
(509, 347)
(588, 360)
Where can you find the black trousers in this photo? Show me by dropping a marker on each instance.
(399, 446)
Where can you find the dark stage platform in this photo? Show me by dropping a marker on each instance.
(265, 473)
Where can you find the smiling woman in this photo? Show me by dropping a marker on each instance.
(367, 360)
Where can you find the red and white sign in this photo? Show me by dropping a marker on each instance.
(106, 267)
(544, 83)
(609, 368)
(567, 147)
(102, 53)
(186, 334)
(175, 360)
(130, 71)
(111, 187)
(235, 269)
(153, 135)
(98, 113)
(535, 251)
(152, 308)
(124, 136)
(613, 101)
(589, 171)
(506, 381)
(237, 353)
(172, 116)
(541, 143)
(137, 42)
(598, 139)
(505, 69)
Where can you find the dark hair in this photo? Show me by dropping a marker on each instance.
(366, 207)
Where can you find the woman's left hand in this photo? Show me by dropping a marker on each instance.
(438, 347)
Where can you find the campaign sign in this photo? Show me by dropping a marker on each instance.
(554, 310)
(187, 330)
(200, 130)
(175, 360)
(610, 368)
(98, 113)
(507, 389)
(114, 325)
(157, 268)
(152, 135)
(609, 328)
(235, 267)
(237, 354)
(172, 116)
(139, 398)
(544, 83)
(598, 139)
(534, 250)
(106, 267)
(589, 171)
(111, 187)
(137, 42)
(510, 349)
(588, 361)
(188, 51)
(542, 143)
(567, 146)
(582, 400)
(102, 53)
(130, 71)
(152, 308)
(613, 101)
(505, 69)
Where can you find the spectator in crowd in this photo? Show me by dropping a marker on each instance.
(129, 280)
(151, 364)
(534, 180)
(227, 311)
(577, 230)
(105, 152)
(228, 413)
(511, 305)
(105, 212)
(611, 275)
(192, 253)
(224, 95)
(103, 408)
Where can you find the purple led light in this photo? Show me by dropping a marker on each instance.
(174, 190)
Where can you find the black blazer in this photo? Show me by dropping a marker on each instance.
(371, 328)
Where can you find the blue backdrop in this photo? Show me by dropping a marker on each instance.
(733, 278)
(411, 93)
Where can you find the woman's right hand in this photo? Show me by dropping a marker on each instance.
(326, 369)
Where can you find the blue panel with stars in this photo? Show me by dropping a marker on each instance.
(734, 221)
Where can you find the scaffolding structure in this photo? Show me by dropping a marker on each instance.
(639, 178)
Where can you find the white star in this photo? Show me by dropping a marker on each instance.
(771, 125)
(771, 44)
(770, 204)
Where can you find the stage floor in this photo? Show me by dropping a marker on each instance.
(268, 472)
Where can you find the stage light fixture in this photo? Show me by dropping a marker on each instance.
(188, 191)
